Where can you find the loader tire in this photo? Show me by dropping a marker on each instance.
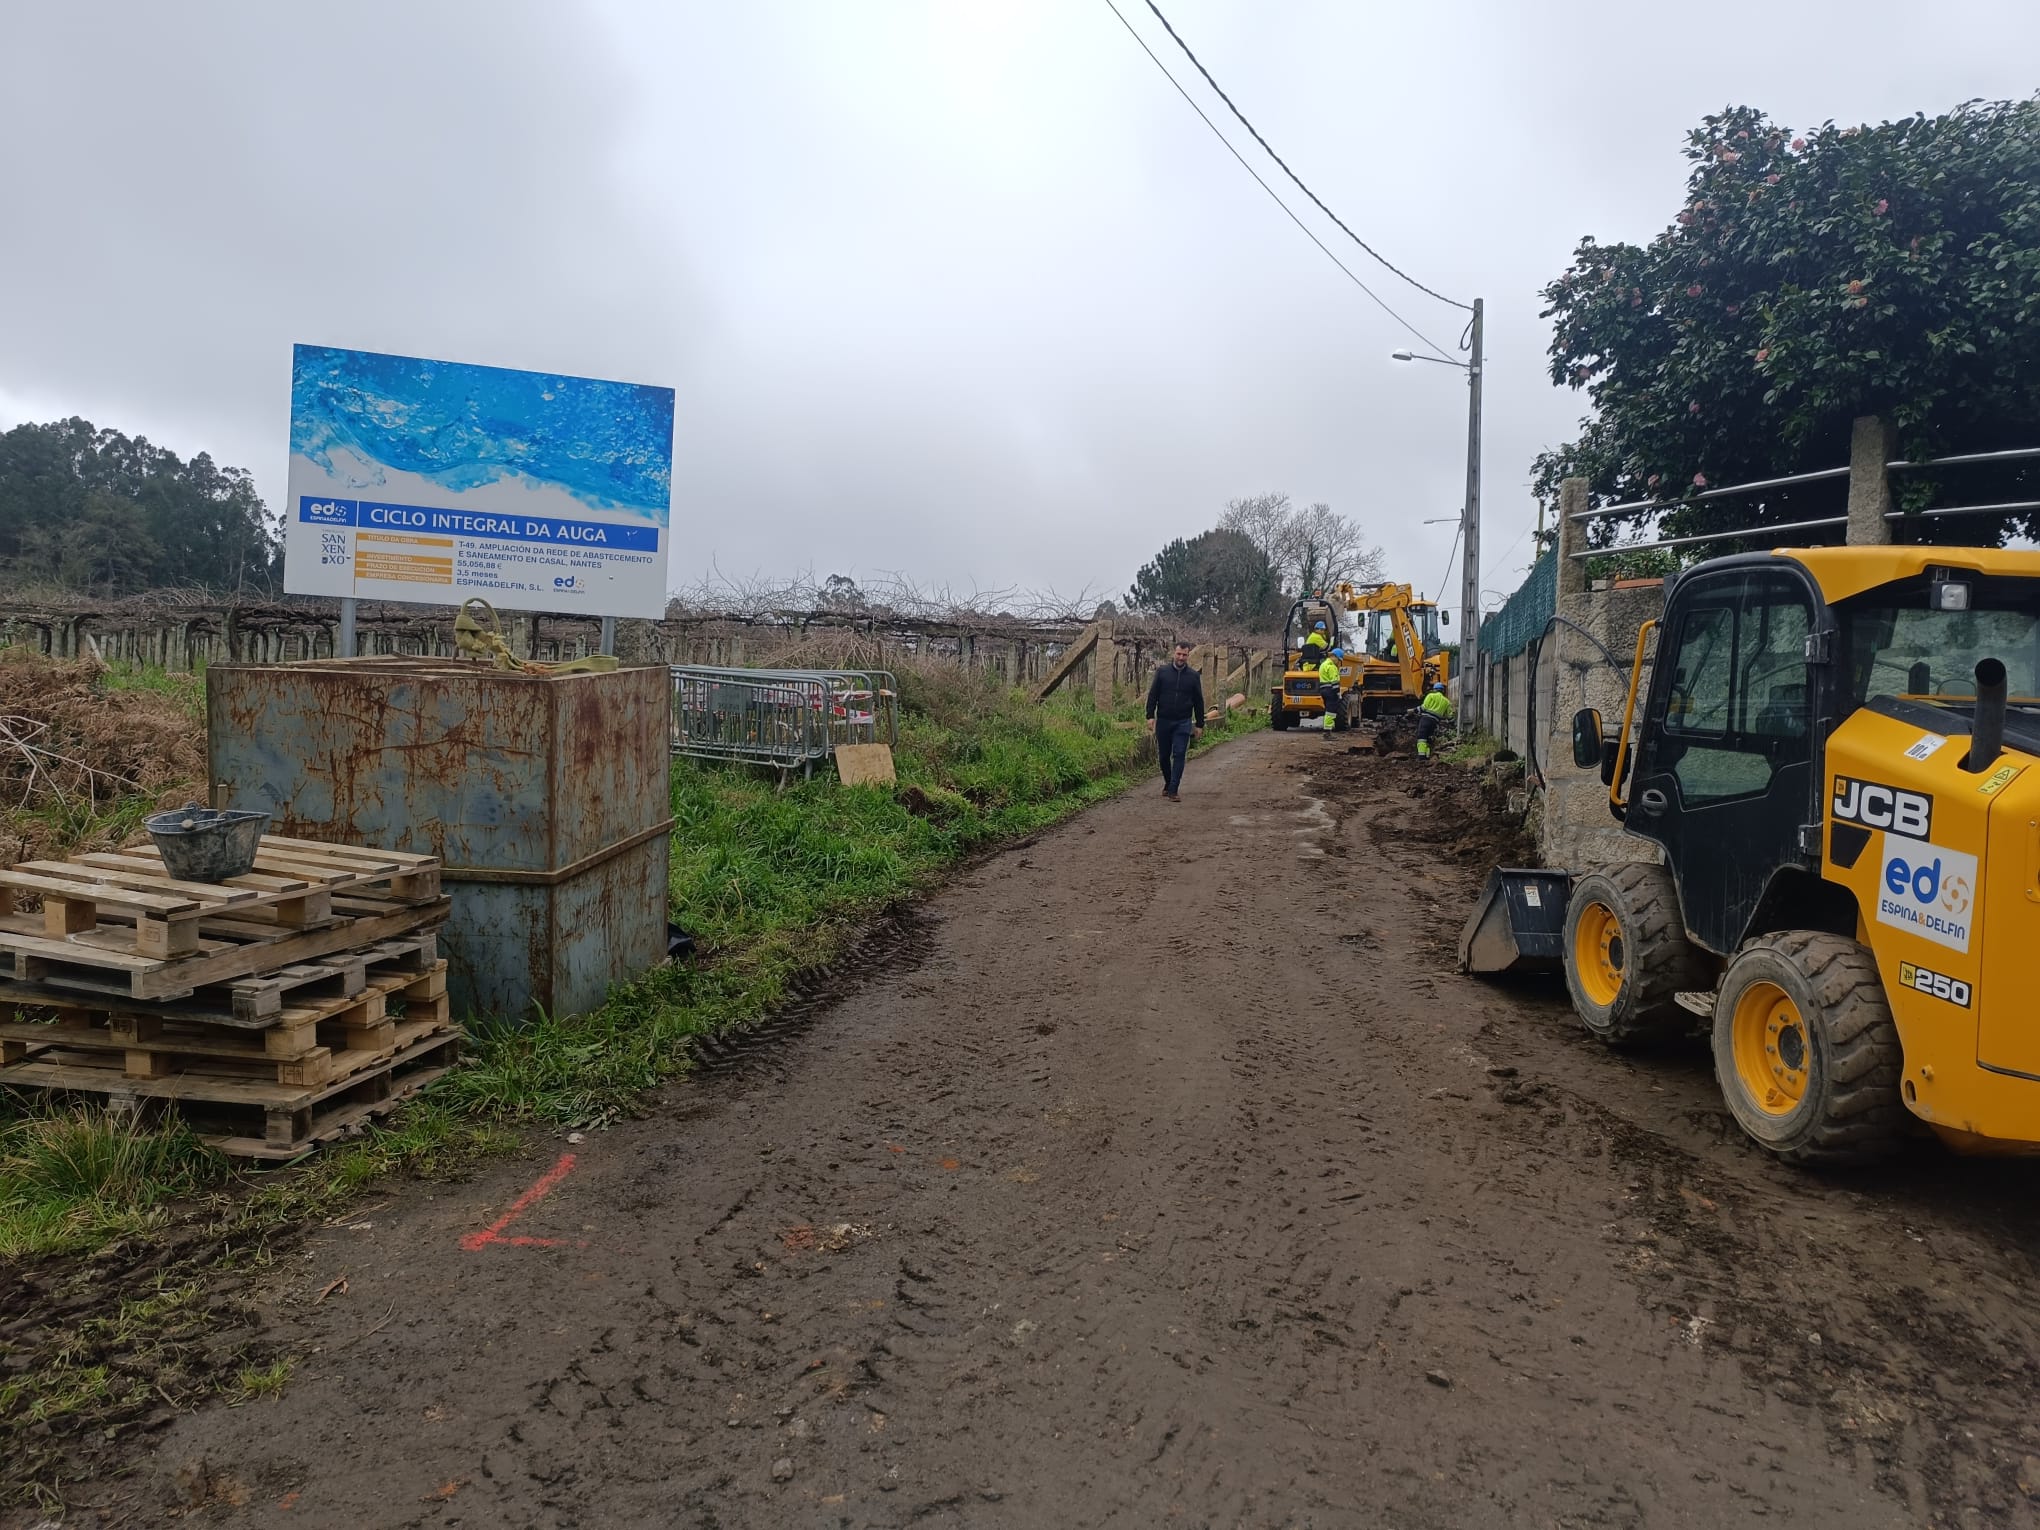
(1627, 957)
(1806, 1052)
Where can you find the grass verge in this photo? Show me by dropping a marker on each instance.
(773, 883)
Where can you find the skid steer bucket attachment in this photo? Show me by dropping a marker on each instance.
(1519, 923)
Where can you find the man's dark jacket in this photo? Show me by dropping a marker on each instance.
(1176, 695)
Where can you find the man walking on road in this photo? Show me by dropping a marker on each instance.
(1175, 712)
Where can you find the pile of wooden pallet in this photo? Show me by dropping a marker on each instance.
(273, 1011)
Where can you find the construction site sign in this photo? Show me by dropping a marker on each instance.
(434, 481)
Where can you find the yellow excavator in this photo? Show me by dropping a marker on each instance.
(1393, 655)
(1403, 653)
(1833, 755)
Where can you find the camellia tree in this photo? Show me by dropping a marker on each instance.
(1808, 280)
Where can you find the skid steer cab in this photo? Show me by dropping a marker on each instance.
(1299, 700)
(1832, 753)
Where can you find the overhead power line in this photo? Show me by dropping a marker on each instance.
(1228, 100)
(1450, 557)
(1275, 196)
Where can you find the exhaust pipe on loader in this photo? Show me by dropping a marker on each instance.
(1987, 730)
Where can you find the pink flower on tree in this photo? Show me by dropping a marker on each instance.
(1883, 207)
(1693, 408)
(1798, 145)
(1772, 179)
(1729, 156)
(1694, 290)
(1652, 482)
(1699, 480)
(1854, 288)
(1763, 354)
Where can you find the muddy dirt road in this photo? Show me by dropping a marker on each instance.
(1166, 1174)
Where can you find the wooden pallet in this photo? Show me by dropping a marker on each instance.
(252, 1118)
(250, 1003)
(104, 959)
(306, 1045)
(127, 901)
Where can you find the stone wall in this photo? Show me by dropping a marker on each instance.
(1585, 662)
(1581, 659)
(1585, 654)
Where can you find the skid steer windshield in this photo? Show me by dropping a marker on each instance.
(1895, 645)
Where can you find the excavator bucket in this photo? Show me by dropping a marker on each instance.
(1519, 923)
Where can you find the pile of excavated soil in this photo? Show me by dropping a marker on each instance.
(1458, 812)
(75, 750)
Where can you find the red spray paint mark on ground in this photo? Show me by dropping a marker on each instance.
(547, 1182)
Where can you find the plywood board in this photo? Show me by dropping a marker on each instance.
(865, 764)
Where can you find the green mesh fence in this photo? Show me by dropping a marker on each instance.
(1519, 623)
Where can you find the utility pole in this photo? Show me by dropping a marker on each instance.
(1470, 707)
(1469, 583)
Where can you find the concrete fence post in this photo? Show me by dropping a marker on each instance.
(1572, 537)
(1872, 444)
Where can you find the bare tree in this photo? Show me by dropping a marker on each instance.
(1266, 520)
(1329, 548)
(1310, 549)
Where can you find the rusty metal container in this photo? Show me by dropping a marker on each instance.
(547, 797)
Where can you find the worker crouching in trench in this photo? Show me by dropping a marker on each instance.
(1436, 710)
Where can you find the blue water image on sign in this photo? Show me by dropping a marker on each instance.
(608, 445)
(438, 481)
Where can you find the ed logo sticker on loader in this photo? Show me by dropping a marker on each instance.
(1927, 890)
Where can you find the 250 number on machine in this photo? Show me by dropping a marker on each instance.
(1937, 985)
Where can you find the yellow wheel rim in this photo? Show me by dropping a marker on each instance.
(1598, 953)
(1770, 1043)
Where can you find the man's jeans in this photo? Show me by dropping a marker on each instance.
(1172, 742)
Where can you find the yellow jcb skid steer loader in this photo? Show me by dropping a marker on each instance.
(1833, 754)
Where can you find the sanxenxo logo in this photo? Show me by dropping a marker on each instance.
(1928, 890)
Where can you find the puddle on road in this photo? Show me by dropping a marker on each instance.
(1315, 822)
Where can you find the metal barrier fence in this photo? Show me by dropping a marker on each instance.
(790, 719)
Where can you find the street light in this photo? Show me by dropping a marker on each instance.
(1469, 588)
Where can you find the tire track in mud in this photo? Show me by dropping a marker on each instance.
(1165, 1172)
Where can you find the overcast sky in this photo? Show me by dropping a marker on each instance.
(956, 288)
